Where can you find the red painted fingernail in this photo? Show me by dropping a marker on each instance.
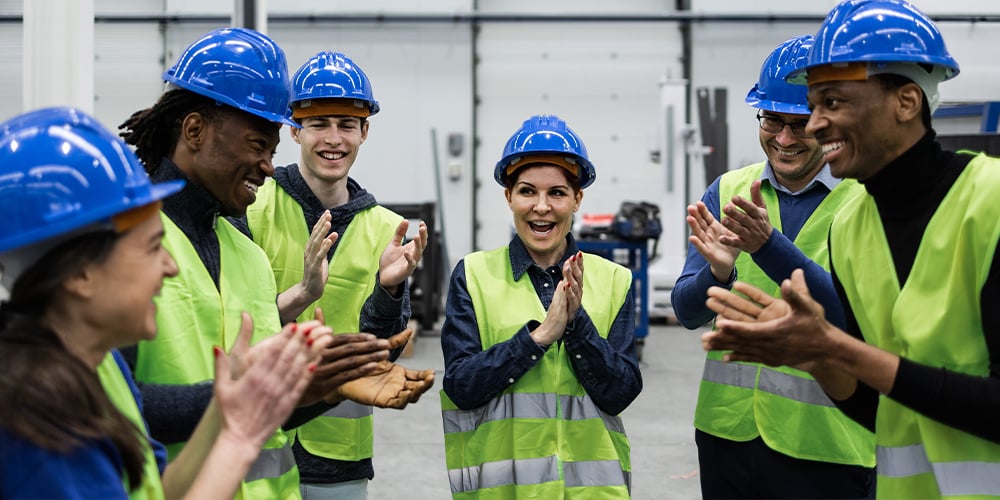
(309, 341)
(217, 351)
(312, 367)
(295, 327)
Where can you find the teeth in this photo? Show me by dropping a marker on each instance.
(785, 152)
(832, 146)
(331, 156)
(251, 186)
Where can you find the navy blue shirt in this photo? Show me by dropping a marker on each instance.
(778, 257)
(608, 368)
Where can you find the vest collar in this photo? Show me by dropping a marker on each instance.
(193, 207)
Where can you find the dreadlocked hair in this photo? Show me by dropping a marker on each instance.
(147, 129)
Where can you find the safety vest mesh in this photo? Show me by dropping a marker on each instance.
(192, 316)
(543, 437)
(933, 319)
(786, 407)
(278, 225)
(115, 386)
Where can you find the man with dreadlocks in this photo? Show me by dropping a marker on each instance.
(217, 127)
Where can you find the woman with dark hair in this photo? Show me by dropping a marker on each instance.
(81, 254)
(537, 370)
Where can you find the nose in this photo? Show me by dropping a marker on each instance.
(542, 205)
(816, 122)
(169, 265)
(332, 136)
(786, 137)
(267, 165)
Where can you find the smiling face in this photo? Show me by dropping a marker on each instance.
(329, 145)
(795, 160)
(861, 126)
(233, 157)
(123, 285)
(543, 202)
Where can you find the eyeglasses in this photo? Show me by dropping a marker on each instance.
(775, 125)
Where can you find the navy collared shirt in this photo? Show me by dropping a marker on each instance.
(607, 368)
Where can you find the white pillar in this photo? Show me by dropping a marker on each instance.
(58, 54)
(250, 14)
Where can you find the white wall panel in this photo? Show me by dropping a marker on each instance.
(602, 78)
(11, 68)
(127, 68)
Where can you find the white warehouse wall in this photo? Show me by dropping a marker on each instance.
(602, 77)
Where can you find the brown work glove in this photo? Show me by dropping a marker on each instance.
(389, 385)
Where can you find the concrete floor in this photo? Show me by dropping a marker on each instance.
(409, 444)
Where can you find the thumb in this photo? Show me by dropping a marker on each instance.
(319, 315)
(400, 339)
(795, 291)
(246, 331)
(755, 195)
(222, 374)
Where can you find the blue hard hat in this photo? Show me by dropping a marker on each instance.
(772, 92)
(238, 67)
(61, 172)
(332, 75)
(545, 134)
(880, 32)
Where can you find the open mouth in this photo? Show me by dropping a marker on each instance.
(331, 156)
(833, 146)
(252, 187)
(542, 228)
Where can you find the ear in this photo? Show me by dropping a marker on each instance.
(193, 130)
(364, 131)
(909, 102)
(80, 284)
(506, 194)
(579, 198)
(295, 134)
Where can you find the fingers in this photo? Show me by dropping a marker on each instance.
(397, 239)
(729, 305)
(400, 339)
(796, 292)
(753, 293)
(755, 195)
(242, 344)
(223, 378)
(318, 314)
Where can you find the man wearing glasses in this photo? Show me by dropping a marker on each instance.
(765, 432)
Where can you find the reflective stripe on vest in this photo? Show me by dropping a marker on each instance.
(741, 401)
(803, 390)
(953, 478)
(564, 440)
(272, 462)
(537, 471)
(934, 318)
(193, 315)
(278, 224)
(528, 405)
(116, 387)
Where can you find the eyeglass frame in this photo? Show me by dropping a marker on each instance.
(792, 126)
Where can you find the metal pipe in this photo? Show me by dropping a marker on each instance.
(686, 17)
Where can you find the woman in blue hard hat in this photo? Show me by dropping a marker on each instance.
(358, 280)
(81, 253)
(538, 341)
(914, 260)
(217, 127)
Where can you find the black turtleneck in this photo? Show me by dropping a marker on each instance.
(196, 212)
(907, 193)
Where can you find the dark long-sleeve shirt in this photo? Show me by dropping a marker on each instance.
(608, 368)
(778, 257)
(907, 193)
